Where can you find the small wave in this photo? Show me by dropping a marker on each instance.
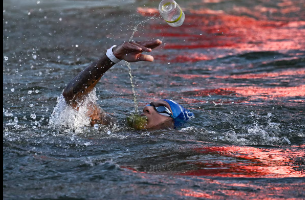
(287, 63)
(256, 130)
(260, 55)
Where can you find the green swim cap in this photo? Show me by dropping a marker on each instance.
(137, 121)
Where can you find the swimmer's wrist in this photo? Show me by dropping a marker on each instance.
(113, 57)
(116, 53)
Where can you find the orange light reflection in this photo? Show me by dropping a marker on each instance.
(204, 28)
(252, 162)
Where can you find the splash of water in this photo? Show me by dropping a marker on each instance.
(135, 29)
(65, 116)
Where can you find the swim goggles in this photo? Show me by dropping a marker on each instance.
(162, 110)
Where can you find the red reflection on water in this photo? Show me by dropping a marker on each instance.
(266, 74)
(295, 72)
(297, 101)
(204, 28)
(207, 92)
(251, 162)
(192, 193)
(224, 189)
(252, 92)
(267, 93)
(244, 161)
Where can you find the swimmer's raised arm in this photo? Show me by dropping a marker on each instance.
(86, 80)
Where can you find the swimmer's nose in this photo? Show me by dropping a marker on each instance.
(147, 109)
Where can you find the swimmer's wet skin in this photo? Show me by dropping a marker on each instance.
(156, 115)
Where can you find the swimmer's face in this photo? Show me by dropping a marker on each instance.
(154, 119)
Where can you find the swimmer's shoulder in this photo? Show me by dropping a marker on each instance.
(104, 119)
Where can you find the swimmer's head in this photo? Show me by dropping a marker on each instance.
(180, 114)
(166, 114)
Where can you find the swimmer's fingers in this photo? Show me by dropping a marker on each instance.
(131, 47)
(142, 47)
(151, 44)
(144, 57)
(132, 51)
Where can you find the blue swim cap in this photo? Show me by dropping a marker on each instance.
(180, 114)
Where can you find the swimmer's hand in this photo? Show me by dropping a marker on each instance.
(132, 51)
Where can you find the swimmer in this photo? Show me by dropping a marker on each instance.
(158, 115)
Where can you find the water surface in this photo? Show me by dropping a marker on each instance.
(239, 66)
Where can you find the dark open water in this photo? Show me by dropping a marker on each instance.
(238, 65)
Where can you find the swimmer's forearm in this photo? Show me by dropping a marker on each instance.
(86, 80)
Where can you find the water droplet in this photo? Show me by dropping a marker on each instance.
(7, 114)
(29, 13)
(34, 56)
(60, 19)
(5, 58)
(36, 91)
(76, 45)
(38, 2)
(31, 105)
(16, 120)
(87, 143)
(13, 89)
(30, 92)
(33, 116)
(169, 63)
(287, 140)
